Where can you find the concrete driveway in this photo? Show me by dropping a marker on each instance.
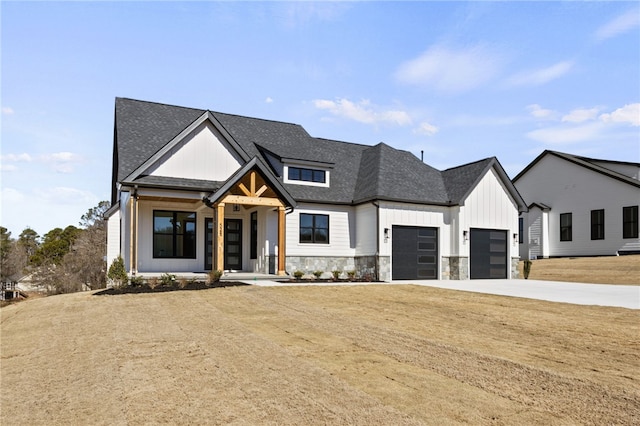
(623, 296)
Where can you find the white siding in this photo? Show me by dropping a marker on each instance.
(113, 237)
(366, 230)
(203, 154)
(490, 206)
(569, 188)
(342, 238)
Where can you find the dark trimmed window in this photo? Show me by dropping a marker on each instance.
(566, 227)
(254, 235)
(314, 228)
(597, 224)
(630, 222)
(174, 234)
(520, 230)
(307, 175)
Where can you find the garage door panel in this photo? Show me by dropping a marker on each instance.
(414, 253)
(488, 254)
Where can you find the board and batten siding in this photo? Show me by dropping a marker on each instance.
(113, 237)
(569, 188)
(203, 154)
(366, 223)
(414, 215)
(489, 206)
(342, 232)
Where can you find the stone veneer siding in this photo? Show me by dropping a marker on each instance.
(454, 268)
(515, 273)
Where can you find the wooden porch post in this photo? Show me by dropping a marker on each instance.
(219, 252)
(281, 241)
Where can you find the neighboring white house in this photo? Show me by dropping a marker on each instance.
(195, 190)
(578, 206)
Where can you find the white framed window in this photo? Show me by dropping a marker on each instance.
(301, 175)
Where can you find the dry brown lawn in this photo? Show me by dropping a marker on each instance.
(597, 270)
(365, 355)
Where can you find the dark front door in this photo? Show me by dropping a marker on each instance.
(208, 244)
(414, 253)
(488, 257)
(233, 244)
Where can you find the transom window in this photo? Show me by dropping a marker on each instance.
(630, 222)
(307, 175)
(597, 224)
(174, 234)
(314, 228)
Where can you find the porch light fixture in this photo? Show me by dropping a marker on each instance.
(515, 237)
(465, 235)
(386, 234)
(236, 207)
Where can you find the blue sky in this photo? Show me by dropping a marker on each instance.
(460, 81)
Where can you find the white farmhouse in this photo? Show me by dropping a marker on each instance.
(578, 206)
(195, 190)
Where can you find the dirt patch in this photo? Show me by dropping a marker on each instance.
(318, 355)
(623, 270)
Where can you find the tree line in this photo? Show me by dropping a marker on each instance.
(63, 260)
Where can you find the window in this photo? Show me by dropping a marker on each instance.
(307, 175)
(566, 227)
(520, 230)
(597, 224)
(254, 235)
(630, 222)
(174, 234)
(314, 228)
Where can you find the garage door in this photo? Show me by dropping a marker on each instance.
(488, 253)
(414, 253)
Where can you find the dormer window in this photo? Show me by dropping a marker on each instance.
(307, 175)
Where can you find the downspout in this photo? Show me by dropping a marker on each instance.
(377, 263)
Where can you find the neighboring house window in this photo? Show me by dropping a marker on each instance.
(520, 230)
(254, 235)
(630, 222)
(307, 175)
(174, 234)
(566, 224)
(597, 224)
(314, 228)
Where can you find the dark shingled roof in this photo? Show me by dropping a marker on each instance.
(359, 173)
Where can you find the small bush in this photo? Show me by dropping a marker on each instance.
(117, 274)
(167, 279)
(183, 282)
(298, 274)
(153, 282)
(318, 274)
(351, 274)
(527, 268)
(214, 276)
(336, 274)
(136, 280)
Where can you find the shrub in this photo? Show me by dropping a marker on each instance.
(336, 274)
(136, 280)
(298, 274)
(351, 274)
(153, 282)
(214, 276)
(167, 279)
(117, 274)
(318, 274)
(183, 282)
(527, 268)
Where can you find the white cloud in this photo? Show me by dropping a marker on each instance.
(427, 129)
(363, 112)
(16, 157)
(451, 70)
(66, 195)
(540, 76)
(561, 135)
(268, 100)
(295, 14)
(580, 115)
(61, 162)
(7, 110)
(627, 114)
(619, 25)
(538, 112)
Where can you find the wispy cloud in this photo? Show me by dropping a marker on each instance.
(268, 100)
(363, 112)
(541, 113)
(295, 14)
(60, 162)
(563, 135)
(540, 76)
(619, 25)
(627, 114)
(7, 110)
(426, 129)
(580, 115)
(451, 70)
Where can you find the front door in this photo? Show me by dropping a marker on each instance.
(233, 244)
(208, 244)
